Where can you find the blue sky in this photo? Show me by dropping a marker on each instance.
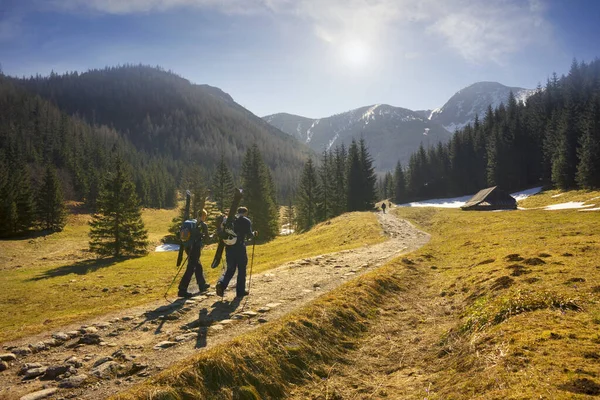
(308, 57)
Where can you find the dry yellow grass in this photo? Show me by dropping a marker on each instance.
(497, 306)
(48, 282)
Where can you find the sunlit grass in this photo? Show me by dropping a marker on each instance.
(556, 196)
(69, 286)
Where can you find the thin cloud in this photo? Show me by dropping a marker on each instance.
(479, 31)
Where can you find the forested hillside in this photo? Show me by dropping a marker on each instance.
(165, 115)
(554, 138)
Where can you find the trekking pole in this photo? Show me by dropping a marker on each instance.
(250, 276)
(173, 281)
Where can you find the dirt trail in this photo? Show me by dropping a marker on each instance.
(108, 354)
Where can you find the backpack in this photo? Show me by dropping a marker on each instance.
(225, 231)
(189, 233)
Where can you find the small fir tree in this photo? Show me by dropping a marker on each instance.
(307, 197)
(222, 186)
(117, 228)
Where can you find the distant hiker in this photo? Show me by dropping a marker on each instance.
(193, 266)
(236, 255)
(383, 207)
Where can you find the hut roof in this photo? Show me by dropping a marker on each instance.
(491, 197)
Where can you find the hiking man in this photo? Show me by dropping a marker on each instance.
(383, 207)
(236, 255)
(193, 266)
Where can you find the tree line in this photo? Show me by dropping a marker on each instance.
(551, 139)
(344, 181)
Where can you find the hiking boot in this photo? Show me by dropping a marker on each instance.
(220, 289)
(204, 288)
(186, 295)
(239, 296)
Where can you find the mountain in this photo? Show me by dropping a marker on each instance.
(165, 115)
(473, 100)
(391, 133)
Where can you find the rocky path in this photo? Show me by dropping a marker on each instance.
(106, 355)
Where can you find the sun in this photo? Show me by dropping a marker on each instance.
(355, 53)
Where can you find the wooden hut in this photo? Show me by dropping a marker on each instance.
(491, 199)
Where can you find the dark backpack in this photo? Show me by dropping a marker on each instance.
(189, 233)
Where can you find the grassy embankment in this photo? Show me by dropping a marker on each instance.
(50, 281)
(520, 315)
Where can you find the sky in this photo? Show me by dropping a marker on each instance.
(313, 58)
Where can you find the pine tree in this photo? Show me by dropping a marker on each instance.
(400, 195)
(50, 203)
(23, 198)
(339, 192)
(307, 197)
(369, 194)
(325, 188)
(354, 179)
(117, 228)
(222, 186)
(258, 194)
(588, 169)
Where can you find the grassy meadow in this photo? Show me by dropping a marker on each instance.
(50, 281)
(517, 295)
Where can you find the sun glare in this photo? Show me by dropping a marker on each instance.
(355, 53)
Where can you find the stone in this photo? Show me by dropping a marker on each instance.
(73, 334)
(8, 357)
(250, 314)
(128, 318)
(28, 366)
(316, 285)
(88, 357)
(365, 266)
(237, 316)
(55, 371)
(74, 361)
(102, 361)
(164, 345)
(114, 320)
(264, 309)
(216, 327)
(189, 302)
(349, 273)
(3, 366)
(198, 298)
(273, 305)
(138, 367)
(74, 381)
(89, 329)
(262, 320)
(226, 322)
(107, 370)
(34, 372)
(90, 338)
(40, 394)
(186, 336)
(52, 343)
(61, 336)
(37, 347)
(103, 325)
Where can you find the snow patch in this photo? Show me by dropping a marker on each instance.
(568, 206)
(309, 133)
(457, 202)
(557, 195)
(370, 113)
(591, 209)
(167, 247)
(526, 193)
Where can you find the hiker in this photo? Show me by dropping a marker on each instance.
(193, 266)
(236, 255)
(383, 207)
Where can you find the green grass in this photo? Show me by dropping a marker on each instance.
(42, 295)
(525, 282)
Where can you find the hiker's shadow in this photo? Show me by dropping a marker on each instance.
(221, 310)
(158, 316)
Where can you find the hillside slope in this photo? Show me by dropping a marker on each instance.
(165, 115)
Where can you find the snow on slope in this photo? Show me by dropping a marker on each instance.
(457, 202)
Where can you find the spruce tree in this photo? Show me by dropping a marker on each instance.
(400, 185)
(50, 203)
(588, 169)
(307, 197)
(117, 228)
(325, 188)
(23, 198)
(355, 181)
(257, 185)
(369, 194)
(222, 186)
(339, 192)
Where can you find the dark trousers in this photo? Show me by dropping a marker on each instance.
(193, 268)
(236, 259)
